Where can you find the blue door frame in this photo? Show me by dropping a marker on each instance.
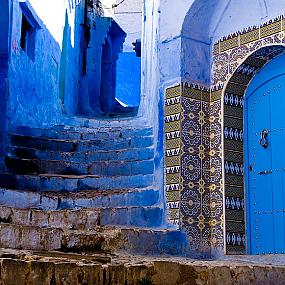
(264, 129)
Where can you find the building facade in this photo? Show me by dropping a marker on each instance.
(215, 186)
(198, 84)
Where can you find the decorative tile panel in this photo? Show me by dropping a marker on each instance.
(196, 189)
(239, 58)
(201, 195)
(231, 51)
(172, 152)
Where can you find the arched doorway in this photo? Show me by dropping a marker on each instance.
(248, 77)
(265, 160)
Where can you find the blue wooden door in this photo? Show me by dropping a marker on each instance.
(265, 161)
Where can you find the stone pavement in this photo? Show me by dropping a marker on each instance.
(27, 267)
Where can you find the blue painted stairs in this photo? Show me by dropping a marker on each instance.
(75, 170)
(63, 160)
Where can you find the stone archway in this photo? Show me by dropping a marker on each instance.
(233, 145)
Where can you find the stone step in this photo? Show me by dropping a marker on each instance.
(101, 128)
(84, 219)
(83, 199)
(36, 268)
(85, 157)
(142, 217)
(83, 133)
(46, 239)
(73, 183)
(114, 240)
(111, 168)
(80, 145)
(105, 122)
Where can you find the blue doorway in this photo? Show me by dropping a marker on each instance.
(264, 122)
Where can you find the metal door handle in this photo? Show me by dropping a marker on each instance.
(264, 135)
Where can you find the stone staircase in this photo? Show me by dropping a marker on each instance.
(81, 189)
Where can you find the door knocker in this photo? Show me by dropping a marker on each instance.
(264, 136)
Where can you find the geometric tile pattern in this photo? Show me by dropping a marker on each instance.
(201, 166)
(230, 52)
(172, 152)
(233, 64)
(196, 189)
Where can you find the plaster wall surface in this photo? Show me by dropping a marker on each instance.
(199, 24)
(151, 106)
(4, 57)
(33, 93)
(57, 8)
(36, 83)
(129, 16)
(128, 85)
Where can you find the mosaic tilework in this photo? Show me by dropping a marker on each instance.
(201, 194)
(196, 189)
(173, 152)
(233, 165)
(237, 59)
(229, 52)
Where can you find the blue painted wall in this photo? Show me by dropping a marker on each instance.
(53, 83)
(4, 57)
(128, 87)
(33, 83)
(189, 28)
(71, 60)
(43, 88)
(98, 86)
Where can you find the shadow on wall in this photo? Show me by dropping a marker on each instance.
(196, 42)
(69, 73)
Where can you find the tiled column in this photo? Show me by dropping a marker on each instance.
(172, 152)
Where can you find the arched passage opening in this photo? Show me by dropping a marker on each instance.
(241, 231)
